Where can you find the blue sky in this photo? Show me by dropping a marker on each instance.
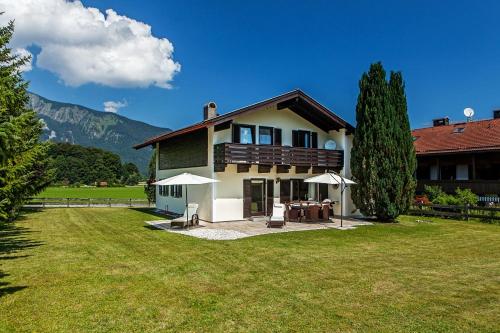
(240, 52)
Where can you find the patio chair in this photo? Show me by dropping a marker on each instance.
(183, 222)
(277, 219)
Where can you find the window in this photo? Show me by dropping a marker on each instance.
(176, 191)
(243, 134)
(163, 190)
(296, 189)
(246, 135)
(322, 192)
(265, 135)
(458, 129)
(300, 190)
(304, 139)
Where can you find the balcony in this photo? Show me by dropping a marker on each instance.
(284, 157)
(481, 187)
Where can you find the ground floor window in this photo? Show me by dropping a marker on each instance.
(176, 191)
(294, 190)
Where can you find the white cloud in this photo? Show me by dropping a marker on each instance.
(24, 53)
(112, 106)
(84, 45)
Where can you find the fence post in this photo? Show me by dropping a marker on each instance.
(43, 202)
(67, 202)
(109, 202)
(467, 212)
(89, 202)
(130, 202)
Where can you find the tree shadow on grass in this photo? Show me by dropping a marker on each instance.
(14, 239)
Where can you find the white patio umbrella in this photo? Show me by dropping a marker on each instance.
(185, 179)
(333, 178)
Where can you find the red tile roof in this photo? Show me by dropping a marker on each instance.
(482, 135)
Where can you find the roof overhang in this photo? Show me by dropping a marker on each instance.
(296, 101)
(458, 151)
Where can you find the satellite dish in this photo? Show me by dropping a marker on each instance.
(330, 145)
(468, 112)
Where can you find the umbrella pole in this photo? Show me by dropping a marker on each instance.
(341, 202)
(187, 210)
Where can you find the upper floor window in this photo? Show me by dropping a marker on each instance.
(304, 139)
(243, 134)
(265, 135)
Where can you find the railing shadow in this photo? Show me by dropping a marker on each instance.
(14, 239)
(152, 212)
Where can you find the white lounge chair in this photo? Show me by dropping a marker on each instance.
(190, 217)
(278, 217)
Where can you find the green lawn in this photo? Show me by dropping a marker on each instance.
(129, 192)
(104, 270)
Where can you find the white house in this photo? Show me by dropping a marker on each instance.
(260, 154)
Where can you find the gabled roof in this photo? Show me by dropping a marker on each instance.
(295, 100)
(483, 135)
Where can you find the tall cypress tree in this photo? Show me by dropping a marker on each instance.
(404, 139)
(24, 166)
(380, 158)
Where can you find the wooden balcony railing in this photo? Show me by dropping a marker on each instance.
(236, 153)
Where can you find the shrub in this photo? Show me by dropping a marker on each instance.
(466, 197)
(433, 192)
(445, 200)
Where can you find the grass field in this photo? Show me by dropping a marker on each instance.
(104, 270)
(129, 192)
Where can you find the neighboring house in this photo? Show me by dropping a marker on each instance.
(260, 154)
(464, 155)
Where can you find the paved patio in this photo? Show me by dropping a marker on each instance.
(242, 229)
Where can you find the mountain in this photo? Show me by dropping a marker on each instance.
(77, 124)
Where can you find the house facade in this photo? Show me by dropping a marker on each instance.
(260, 154)
(460, 155)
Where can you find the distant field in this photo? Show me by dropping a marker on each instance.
(130, 192)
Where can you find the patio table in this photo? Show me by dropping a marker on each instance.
(307, 211)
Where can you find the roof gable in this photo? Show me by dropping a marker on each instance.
(296, 100)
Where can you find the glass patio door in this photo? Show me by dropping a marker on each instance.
(258, 197)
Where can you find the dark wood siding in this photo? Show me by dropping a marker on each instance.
(184, 151)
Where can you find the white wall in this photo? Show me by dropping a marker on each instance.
(285, 119)
(228, 193)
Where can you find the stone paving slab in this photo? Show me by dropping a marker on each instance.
(241, 229)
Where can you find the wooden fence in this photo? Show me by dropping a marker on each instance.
(85, 202)
(457, 212)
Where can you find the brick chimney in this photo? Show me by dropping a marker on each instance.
(209, 111)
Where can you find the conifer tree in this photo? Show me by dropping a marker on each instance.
(24, 166)
(404, 140)
(382, 160)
